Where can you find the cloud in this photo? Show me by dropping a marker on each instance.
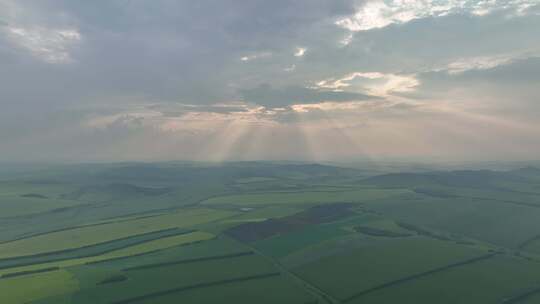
(160, 50)
(50, 40)
(256, 56)
(290, 68)
(50, 45)
(176, 110)
(268, 96)
(376, 83)
(508, 90)
(515, 72)
(300, 52)
(477, 63)
(169, 79)
(374, 14)
(430, 43)
(486, 62)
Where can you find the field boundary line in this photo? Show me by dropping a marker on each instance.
(419, 275)
(194, 260)
(307, 286)
(522, 297)
(67, 250)
(480, 198)
(28, 272)
(196, 286)
(528, 242)
(145, 253)
(74, 250)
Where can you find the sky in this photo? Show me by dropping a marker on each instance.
(314, 80)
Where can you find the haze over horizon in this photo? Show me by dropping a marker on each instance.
(311, 80)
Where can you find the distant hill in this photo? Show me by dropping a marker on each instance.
(228, 171)
(527, 171)
(461, 178)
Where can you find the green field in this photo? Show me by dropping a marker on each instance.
(532, 246)
(133, 250)
(268, 233)
(532, 299)
(35, 287)
(86, 236)
(307, 197)
(480, 282)
(16, 205)
(282, 291)
(381, 262)
(161, 244)
(284, 245)
(469, 217)
(148, 281)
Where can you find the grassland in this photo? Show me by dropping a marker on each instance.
(268, 233)
(532, 245)
(479, 282)
(35, 185)
(529, 299)
(282, 291)
(86, 236)
(161, 244)
(263, 214)
(380, 263)
(149, 281)
(187, 251)
(125, 252)
(282, 246)
(38, 286)
(16, 205)
(304, 197)
(315, 241)
(502, 224)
